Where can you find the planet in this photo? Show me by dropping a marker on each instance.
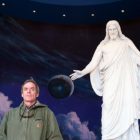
(60, 86)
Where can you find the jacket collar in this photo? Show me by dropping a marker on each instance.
(37, 104)
(29, 112)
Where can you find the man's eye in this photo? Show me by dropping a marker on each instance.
(25, 89)
(33, 89)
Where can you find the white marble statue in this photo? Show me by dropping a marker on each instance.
(115, 75)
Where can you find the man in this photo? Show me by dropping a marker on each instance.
(31, 120)
(114, 74)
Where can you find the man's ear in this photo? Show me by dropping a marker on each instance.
(37, 94)
(21, 95)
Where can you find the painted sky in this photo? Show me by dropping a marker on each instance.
(42, 51)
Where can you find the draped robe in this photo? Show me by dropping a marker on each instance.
(115, 76)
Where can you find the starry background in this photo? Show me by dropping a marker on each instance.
(40, 49)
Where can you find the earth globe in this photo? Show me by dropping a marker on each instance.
(60, 86)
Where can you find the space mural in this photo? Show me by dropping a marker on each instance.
(42, 51)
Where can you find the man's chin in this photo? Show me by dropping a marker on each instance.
(29, 101)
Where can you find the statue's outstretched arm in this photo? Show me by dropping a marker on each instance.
(90, 67)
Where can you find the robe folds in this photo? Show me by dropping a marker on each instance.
(116, 78)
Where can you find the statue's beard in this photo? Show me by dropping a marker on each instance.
(113, 36)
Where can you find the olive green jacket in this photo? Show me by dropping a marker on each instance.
(38, 123)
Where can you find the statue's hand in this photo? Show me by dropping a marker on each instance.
(77, 74)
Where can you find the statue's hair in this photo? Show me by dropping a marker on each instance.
(117, 25)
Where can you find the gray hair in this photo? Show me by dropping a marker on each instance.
(32, 81)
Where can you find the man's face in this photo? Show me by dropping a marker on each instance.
(113, 32)
(29, 92)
